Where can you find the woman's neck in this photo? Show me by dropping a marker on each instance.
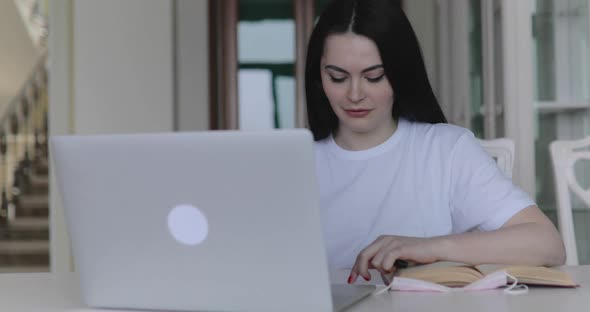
(358, 141)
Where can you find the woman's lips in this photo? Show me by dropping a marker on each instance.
(357, 113)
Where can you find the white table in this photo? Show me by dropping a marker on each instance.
(538, 299)
(32, 292)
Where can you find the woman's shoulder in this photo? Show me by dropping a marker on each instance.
(446, 134)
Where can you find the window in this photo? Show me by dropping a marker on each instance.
(258, 61)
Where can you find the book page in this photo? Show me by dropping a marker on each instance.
(532, 275)
(452, 274)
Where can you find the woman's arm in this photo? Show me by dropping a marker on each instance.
(528, 238)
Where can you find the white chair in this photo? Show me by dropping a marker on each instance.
(502, 150)
(564, 155)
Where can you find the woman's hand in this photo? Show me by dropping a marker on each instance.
(528, 238)
(382, 253)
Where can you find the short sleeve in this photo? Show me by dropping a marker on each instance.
(482, 196)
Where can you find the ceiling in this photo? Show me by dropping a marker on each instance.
(18, 55)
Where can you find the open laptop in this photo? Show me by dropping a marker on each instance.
(216, 221)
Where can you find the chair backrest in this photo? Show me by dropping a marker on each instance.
(564, 155)
(502, 150)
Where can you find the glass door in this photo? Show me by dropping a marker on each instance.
(266, 58)
(561, 57)
(470, 42)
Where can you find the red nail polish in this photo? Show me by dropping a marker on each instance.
(350, 279)
(367, 278)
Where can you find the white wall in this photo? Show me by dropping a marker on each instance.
(60, 104)
(192, 59)
(123, 66)
(18, 54)
(112, 70)
(4, 102)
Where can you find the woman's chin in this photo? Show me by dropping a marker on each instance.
(359, 129)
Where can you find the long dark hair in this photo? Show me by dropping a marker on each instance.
(384, 22)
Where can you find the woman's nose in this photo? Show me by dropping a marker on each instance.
(355, 92)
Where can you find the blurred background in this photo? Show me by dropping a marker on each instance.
(503, 68)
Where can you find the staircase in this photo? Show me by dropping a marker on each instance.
(24, 240)
(24, 182)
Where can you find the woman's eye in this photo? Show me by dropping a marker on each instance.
(376, 79)
(337, 80)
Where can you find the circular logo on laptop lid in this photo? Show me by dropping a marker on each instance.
(188, 225)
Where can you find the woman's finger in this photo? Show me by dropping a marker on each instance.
(389, 259)
(361, 265)
(387, 278)
(377, 261)
(353, 275)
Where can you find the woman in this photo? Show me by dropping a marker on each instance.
(396, 181)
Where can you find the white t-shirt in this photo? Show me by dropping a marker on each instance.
(425, 180)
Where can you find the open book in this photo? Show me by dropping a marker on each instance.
(453, 274)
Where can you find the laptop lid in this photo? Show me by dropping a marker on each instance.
(219, 220)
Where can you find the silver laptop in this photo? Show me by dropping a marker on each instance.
(216, 221)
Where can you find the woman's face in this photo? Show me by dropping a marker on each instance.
(354, 81)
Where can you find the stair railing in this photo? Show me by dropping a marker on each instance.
(23, 140)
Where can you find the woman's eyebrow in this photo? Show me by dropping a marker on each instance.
(372, 68)
(338, 69)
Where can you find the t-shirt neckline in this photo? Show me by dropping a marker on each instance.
(373, 151)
